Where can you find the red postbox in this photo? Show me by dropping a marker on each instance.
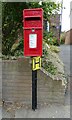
(33, 31)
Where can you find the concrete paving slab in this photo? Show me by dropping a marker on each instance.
(7, 114)
(49, 111)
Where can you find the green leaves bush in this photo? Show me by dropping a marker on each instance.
(50, 39)
(12, 17)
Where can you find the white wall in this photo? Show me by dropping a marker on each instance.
(66, 15)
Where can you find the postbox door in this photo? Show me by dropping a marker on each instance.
(33, 42)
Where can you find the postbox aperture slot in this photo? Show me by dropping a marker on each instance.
(32, 18)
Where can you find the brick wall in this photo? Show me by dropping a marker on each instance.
(68, 38)
(17, 84)
(55, 25)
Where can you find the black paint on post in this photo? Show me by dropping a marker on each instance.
(34, 89)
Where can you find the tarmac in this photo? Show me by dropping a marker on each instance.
(65, 55)
(50, 110)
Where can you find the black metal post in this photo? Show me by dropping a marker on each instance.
(34, 89)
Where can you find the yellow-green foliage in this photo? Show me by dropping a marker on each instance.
(51, 61)
(54, 48)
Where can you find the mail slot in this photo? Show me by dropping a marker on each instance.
(33, 31)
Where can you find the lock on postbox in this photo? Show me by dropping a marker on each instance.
(33, 31)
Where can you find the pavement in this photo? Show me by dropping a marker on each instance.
(0, 112)
(47, 110)
(65, 55)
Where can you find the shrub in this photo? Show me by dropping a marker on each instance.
(62, 38)
(50, 39)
